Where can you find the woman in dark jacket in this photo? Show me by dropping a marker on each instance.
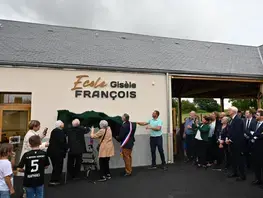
(57, 151)
(223, 147)
(202, 132)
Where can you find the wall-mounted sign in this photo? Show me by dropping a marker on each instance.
(88, 88)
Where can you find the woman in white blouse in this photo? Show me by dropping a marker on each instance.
(202, 132)
(34, 127)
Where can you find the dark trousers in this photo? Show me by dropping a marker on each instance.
(220, 156)
(189, 140)
(104, 166)
(195, 149)
(237, 161)
(157, 142)
(212, 150)
(57, 164)
(248, 158)
(257, 160)
(227, 156)
(74, 164)
(201, 146)
(258, 168)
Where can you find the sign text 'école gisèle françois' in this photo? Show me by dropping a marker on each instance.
(118, 89)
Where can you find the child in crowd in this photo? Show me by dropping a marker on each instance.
(6, 172)
(33, 163)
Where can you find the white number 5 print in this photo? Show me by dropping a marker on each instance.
(34, 165)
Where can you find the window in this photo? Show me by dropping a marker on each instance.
(15, 98)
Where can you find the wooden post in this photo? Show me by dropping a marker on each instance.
(259, 98)
(259, 103)
(179, 112)
(222, 104)
(174, 118)
(174, 131)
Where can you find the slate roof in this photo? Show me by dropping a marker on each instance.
(39, 45)
(260, 48)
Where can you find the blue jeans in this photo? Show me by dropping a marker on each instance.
(36, 192)
(4, 194)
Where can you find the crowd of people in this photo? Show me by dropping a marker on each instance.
(37, 154)
(230, 142)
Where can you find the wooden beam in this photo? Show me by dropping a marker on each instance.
(236, 92)
(222, 104)
(199, 91)
(217, 78)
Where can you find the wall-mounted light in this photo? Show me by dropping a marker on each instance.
(153, 83)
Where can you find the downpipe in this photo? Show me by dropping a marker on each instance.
(169, 120)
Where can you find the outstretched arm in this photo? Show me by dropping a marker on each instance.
(142, 123)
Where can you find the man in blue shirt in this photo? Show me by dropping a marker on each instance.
(189, 136)
(156, 139)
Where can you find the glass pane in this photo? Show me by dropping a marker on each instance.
(15, 98)
(15, 123)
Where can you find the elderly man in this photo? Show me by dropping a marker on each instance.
(189, 136)
(77, 146)
(236, 141)
(57, 151)
(127, 139)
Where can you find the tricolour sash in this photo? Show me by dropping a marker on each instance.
(127, 138)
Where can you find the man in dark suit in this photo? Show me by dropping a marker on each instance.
(250, 122)
(236, 142)
(257, 148)
(250, 126)
(77, 146)
(127, 140)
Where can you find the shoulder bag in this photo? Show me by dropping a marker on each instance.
(98, 147)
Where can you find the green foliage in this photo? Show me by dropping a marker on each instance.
(207, 104)
(187, 106)
(175, 103)
(244, 104)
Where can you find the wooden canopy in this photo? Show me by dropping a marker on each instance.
(219, 88)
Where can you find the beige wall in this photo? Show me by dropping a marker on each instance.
(51, 91)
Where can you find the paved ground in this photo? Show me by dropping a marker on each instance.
(181, 181)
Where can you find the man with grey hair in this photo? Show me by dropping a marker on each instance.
(236, 143)
(77, 146)
(127, 140)
(189, 136)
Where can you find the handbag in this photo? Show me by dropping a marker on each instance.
(98, 147)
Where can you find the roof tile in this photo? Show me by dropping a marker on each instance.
(28, 42)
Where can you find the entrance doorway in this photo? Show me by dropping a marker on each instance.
(190, 86)
(15, 114)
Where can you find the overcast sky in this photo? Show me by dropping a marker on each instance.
(232, 21)
(229, 21)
